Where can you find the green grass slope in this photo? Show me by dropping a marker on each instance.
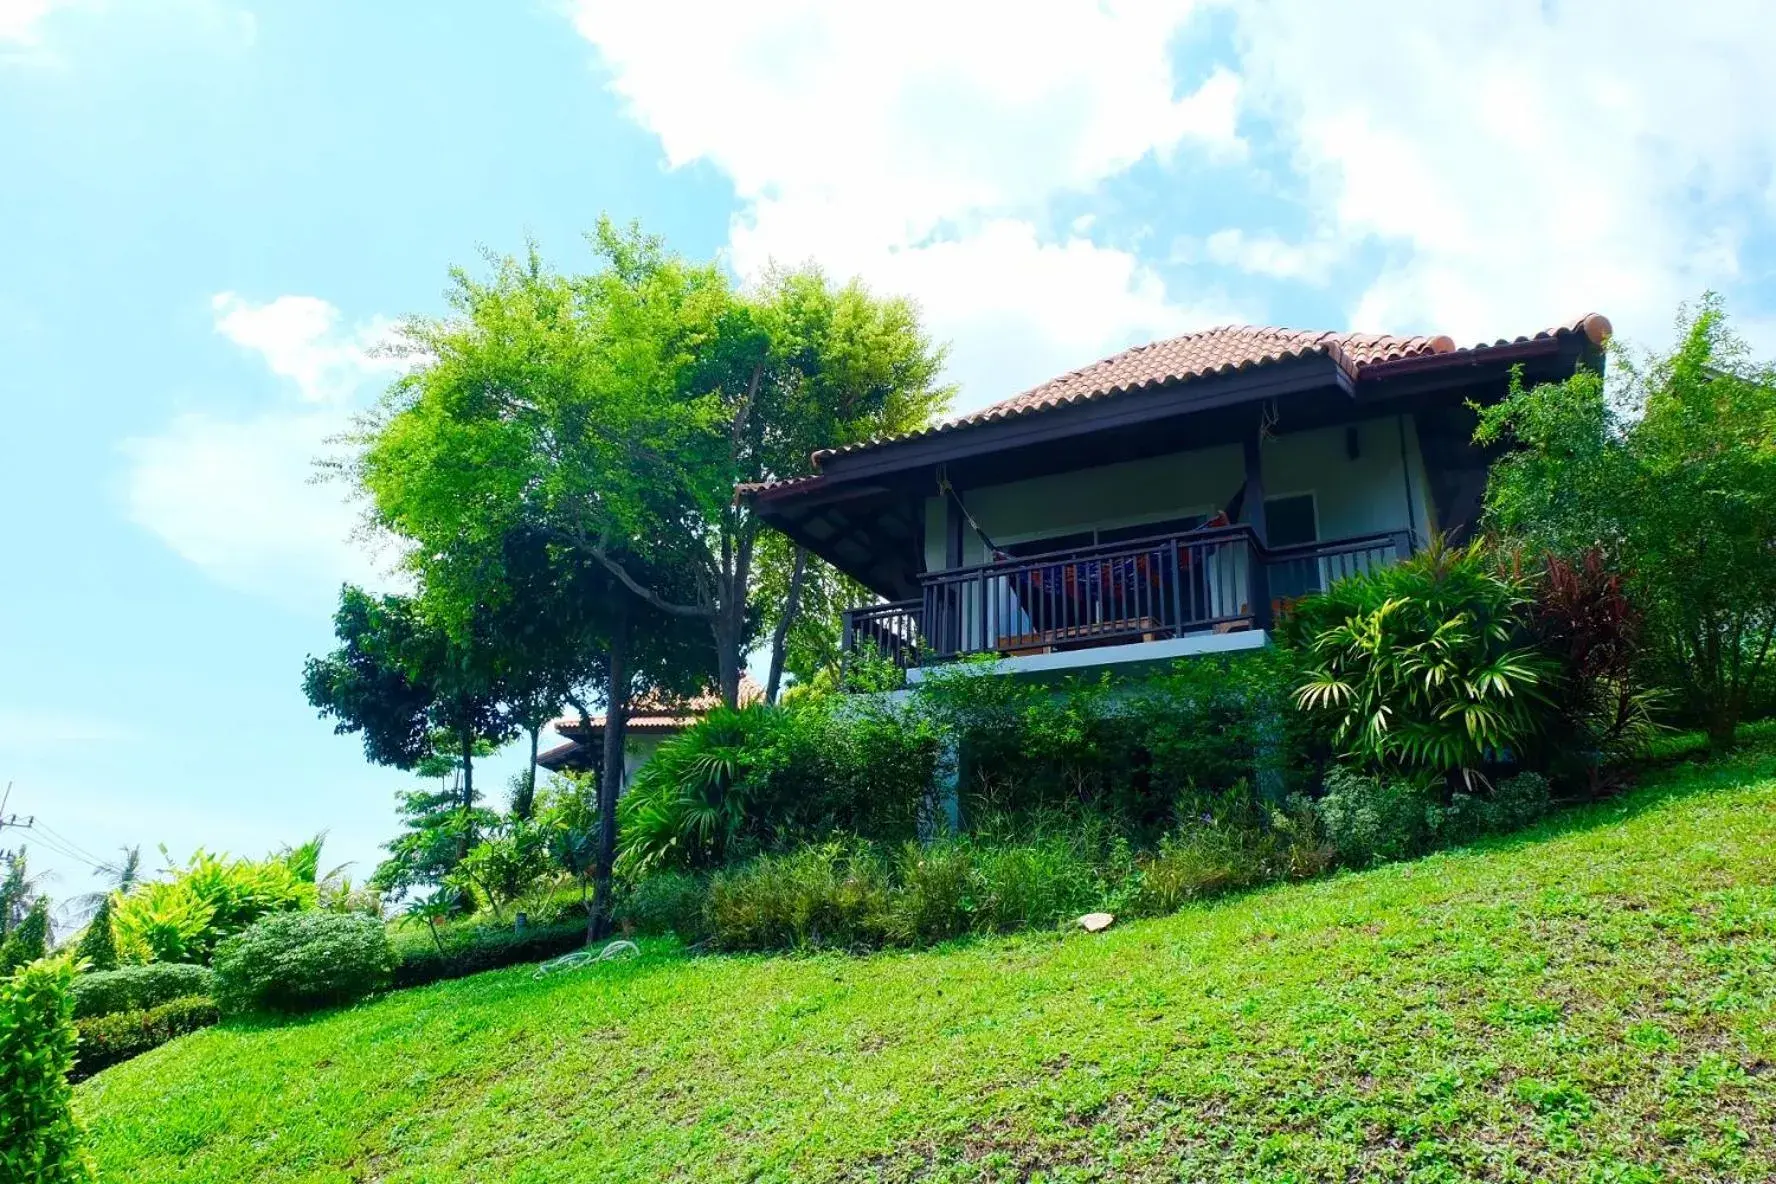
(1593, 1001)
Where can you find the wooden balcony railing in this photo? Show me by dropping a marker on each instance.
(1204, 581)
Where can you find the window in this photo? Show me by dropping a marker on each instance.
(1291, 520)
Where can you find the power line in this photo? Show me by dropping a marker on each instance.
(45, 828)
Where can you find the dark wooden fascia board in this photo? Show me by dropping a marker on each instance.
(1106, 412)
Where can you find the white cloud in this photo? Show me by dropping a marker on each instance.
(19, 20)
(299, 339)
(1265, 254)
(237, 497)
(1521, 163)
(919, 145)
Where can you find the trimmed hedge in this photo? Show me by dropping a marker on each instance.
(137, 988)
(106, 1040)
(294, 962)
(485, 948)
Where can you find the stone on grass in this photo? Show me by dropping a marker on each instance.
(1094, 922)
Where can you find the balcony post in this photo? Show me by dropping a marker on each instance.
(1257, 571)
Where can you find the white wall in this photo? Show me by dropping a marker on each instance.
(1365, 495)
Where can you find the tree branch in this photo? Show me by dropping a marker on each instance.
(694, 611)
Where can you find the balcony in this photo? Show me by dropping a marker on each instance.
(1199, 583)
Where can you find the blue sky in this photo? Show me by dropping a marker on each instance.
(211, 211)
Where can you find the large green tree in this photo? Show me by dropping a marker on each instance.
(620, 409)
(1670, 471)
(607, 419)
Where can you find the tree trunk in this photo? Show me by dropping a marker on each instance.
(780, 639)
(1723, 722)
(468, 792)
(610, 774)
(530, 777)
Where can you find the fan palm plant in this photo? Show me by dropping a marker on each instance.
(1424, 666)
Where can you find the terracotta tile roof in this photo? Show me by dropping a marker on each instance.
(655, 715)
(1228, 349)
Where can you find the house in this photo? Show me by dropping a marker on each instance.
(1165, 501)
(652, 722)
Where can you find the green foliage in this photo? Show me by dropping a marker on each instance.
(1670, 471)
(935, 893)
(689, 802)
(1424, 666)
(821, 895)
(465, 949)
(138, 988)
(1513, 803)
(505, 865)
(163, 921)
(1369, 819)
(39, 1140)
(665, 902)
(1144, 750)
(762, 776)
(294, 962)
(97, 947)
(28, 940)
(180, 919)
(117, 1036)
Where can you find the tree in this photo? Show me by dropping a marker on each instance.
(98, 946)
(28, 940)
(1669, 472)
(413, 690)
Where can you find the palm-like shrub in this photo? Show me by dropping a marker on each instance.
(181, 918)
(690, 802)
(1424, 666)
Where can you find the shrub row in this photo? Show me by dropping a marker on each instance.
(137, 988)
(471, 950)
(117, 1036)
(1142, 750)
(853, 894)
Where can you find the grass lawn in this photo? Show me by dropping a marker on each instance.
(1595, 1000)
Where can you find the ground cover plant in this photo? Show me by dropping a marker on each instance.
(1591, 999)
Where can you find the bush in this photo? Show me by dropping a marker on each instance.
(824, 895)
(1372, 819)
(28, 939)
(1031, 886)
(1513, 804)
(1205, 861)
(1602, 713)
(1142, 750)
(293, 962)
(470, 949)
(182, 918)
(97, 947)
(1670, 466)
(934, 897)
(665, 902)
(108, 1039)
(39, 1139)
(1424, 666)
(763, 777)
(136, 988)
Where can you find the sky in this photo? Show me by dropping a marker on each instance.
(212, 211)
